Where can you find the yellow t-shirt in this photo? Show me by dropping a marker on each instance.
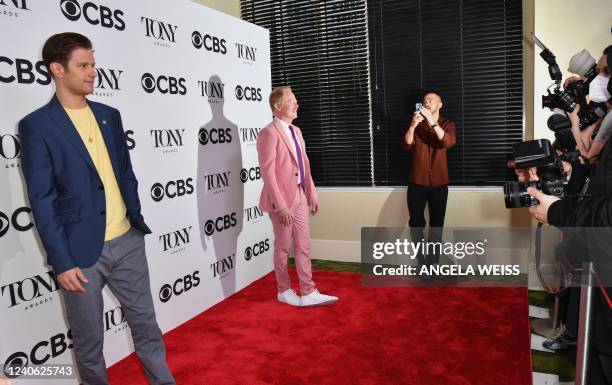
(116, 213)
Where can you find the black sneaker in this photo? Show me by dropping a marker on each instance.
(561, 340)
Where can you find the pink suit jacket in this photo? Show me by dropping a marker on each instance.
(279, 168)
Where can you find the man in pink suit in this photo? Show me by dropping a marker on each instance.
(287, 194)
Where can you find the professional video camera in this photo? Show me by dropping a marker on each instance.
(535, 153)
(575, 93)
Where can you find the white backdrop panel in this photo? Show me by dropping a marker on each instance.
(191, 84)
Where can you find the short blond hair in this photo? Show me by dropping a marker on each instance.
(277, 95)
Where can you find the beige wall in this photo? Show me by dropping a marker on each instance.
(566, 27)
(231, 7)
(345, 211)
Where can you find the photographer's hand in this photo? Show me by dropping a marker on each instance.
(574, 118)
(433, 124)
(582, 143)
(427, 114)
(540, 212)
(416, 118)
(567, 167)
(569, 80)
(409, 136)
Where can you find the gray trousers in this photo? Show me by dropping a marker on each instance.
(123, 266)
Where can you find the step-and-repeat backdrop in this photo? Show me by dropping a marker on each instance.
(191, 84)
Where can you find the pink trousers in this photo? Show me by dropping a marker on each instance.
(299, 232)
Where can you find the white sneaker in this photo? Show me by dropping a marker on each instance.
(289, 297)
(317, 299)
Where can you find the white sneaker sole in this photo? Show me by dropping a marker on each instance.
(287, 303)
(330, 302)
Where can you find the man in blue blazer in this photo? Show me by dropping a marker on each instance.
(84, 198)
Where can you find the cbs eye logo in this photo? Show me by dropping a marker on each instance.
(180, 286)
(214, 135)
(257, 249)
(94, 14)
(157, 192)
(71, 9)
(172, 189)
(221, 223)
(251, 94)
(163, 84)
(208, 42)
(250, 174)
(20, 220)
(42, 352)
(209, 227)
(15, 364)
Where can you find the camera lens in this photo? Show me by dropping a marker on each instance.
(516, 195)
(548, 101)
(558, 122)
(567, 102)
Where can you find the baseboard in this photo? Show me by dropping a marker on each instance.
(350, 251)
(335, 250)
(545, 379)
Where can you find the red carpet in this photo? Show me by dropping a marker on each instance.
(421, 336)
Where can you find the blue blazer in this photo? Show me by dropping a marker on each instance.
(64, 188)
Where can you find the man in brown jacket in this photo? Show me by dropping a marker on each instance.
(427, 138)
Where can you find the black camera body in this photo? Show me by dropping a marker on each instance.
(537, 153)
(593, 111)
(567, 99)
(575, 94)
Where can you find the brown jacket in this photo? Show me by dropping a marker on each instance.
(428, 166)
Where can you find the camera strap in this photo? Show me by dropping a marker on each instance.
(538, 257)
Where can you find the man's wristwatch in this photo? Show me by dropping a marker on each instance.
(434, 125)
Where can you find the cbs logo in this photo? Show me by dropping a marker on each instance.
(257, 249)
(179, 286)
(250, 174)
(172, 189)
(164, 84)
(94, 14)
(214, 135)
(210, 43)
(40, 353)
(129, 140)
(248, 93)
(222, 223)
(25, 72)
(24, 225)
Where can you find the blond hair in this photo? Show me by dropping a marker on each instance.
(277, 95)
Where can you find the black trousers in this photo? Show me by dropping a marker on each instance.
(600, 369)
(569, 309)
(435, 198)
(601, 339)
